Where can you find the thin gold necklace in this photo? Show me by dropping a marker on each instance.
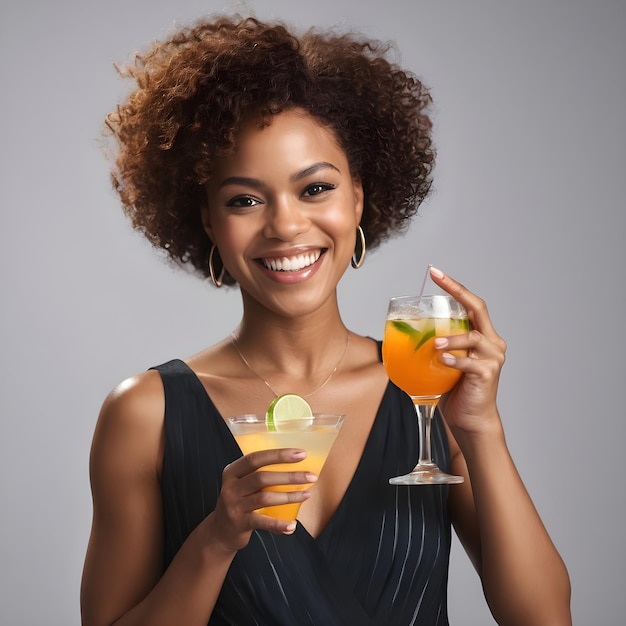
(308, 395)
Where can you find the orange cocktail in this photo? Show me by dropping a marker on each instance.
(413, 364)
(316, 435)
(410, 357)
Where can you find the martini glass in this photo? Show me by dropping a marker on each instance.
(412, 363)
(314, 434)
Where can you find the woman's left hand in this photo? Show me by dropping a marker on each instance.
(492, 512)
(471, 405)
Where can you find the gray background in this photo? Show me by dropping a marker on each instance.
(528, 212)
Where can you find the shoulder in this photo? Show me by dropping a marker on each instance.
(135, 402)
(129, 429)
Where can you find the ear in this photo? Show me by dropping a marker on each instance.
(358, 200)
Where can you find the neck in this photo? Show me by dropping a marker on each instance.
(294, 353)
(313, 391)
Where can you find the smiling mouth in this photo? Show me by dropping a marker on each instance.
(292, 263)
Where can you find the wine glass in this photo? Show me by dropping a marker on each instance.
(412, 363)
(315, 434)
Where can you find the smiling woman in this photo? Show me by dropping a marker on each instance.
(273, 162)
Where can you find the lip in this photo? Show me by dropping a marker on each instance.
(285, 258)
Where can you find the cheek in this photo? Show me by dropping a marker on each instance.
(342, 220)
(231, 240)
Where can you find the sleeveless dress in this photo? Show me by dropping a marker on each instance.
(382, 560)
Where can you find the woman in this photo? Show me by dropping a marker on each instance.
(272, 162)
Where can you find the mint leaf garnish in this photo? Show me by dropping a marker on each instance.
(424, 338)
(419, 338)
(407, 329)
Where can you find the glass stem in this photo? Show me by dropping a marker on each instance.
(425, 414)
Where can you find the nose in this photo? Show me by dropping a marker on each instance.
(285, 219)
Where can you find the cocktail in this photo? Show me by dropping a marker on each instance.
(315, 434)
(412, 363)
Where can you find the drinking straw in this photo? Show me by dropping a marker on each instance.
(421, 293)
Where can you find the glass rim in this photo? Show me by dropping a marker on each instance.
(256, 418)
(438, 305)
(425, 296)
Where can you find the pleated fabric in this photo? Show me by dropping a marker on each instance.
(382, 560)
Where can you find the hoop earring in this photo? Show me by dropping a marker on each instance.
(355, 261)
(216, 280)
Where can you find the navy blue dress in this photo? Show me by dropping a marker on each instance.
(382, 560)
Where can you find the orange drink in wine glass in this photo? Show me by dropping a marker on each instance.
(412, 363)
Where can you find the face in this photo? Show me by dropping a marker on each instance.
(283, 212)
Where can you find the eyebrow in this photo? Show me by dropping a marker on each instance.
(255, 182)
(316, 167)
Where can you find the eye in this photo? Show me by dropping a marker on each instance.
(243, 202)
(317, 188)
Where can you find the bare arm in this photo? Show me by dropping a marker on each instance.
(524, 578)
(123, 580)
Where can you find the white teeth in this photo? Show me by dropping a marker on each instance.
(292, 264)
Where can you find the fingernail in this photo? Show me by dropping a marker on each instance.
(436, 272)
(441, 342)
(448, 359)
(299, 454)
(290, 527)
(312, 478)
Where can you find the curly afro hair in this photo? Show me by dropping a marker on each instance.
(194, 89)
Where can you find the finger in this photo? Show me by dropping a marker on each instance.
(261, 479)
(253, 486)
(475, 305)
(484, 369)
(278, 497)
(474, 343)
(471, 353)
(253, 461)
(269, 498)
(265, 522)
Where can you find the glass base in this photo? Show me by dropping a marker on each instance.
(427, 475)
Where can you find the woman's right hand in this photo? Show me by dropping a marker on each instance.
(243, 483)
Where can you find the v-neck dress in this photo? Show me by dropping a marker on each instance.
(382, 560)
